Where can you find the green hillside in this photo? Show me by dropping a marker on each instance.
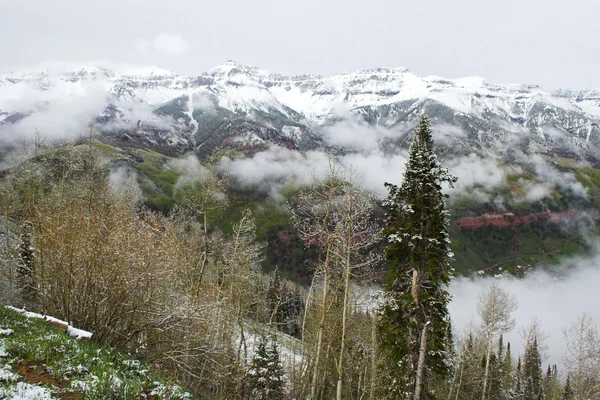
(41, 361)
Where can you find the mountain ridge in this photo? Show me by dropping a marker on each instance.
(257, 106)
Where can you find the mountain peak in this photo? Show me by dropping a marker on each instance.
(384, 70)
(233, 71)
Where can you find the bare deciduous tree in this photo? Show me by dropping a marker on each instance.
(494, 308)
(582, 359)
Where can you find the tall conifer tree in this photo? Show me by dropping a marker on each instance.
(415, 317)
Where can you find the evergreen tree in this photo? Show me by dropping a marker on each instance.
(508, 369)
(518, 389)
(470, 373)
(568, 392)
(553, 385)
(532, 370)
(496, 389)
(415, 319)
(25, 276)
(292, 307)
(265, 376)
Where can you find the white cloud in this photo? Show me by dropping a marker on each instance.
(62, 111)
(353, 135)
(555, 302)
(550, 176)
(473, 170)
(271, 170)
(166, 43)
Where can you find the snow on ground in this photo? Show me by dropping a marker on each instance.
(20, 390)
(72, 331)
(6, 374)
(25, 391)
(3, 353)
(6, 332)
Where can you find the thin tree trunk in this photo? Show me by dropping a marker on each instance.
(373, 357)
(462, 366)
(452, 383)
(487, 366)
(416, 286)
(313, 389)
(205, 257)
(421, 365)
(348, 272)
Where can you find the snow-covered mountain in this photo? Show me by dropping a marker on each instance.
(248, 108)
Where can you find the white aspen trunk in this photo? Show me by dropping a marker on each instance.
(205, 257)
(462, 366)
(373, 358)
(421, 364)
(348, 272)
(313, 388)
(453, 382)
(487, 365)
(416, 286)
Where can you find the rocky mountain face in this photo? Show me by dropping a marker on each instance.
(241, 107)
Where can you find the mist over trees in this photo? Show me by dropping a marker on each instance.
(176, 290)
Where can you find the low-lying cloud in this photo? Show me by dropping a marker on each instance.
(368, 159)
(555, 299)
(550, 176)
(55, 115)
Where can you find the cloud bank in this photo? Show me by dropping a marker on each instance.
(556, 299)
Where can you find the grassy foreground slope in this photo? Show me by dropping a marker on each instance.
(40, 361)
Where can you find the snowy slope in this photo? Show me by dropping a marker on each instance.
(231, 102)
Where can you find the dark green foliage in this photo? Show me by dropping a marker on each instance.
(25, 267)
(518, 389)
(532, 371)
(507, 370)
(552, 384)
(418, 259)
(496, 387)
(265, 377)
(568, 393)
(157, 181)
(285, 305)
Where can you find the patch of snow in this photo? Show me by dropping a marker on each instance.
(6, 374)
(292, 132)
(190, 110)
(6, 332)
(132, 363)
(78, 333)
(72, 331)
(25, 391)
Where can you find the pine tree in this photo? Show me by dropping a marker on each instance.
(496, 389)
(532, 371)
(568, 392)
(553, 385)
(508, 370)
(265, 376)
(25, 268)
(414, 313)
(517, 378)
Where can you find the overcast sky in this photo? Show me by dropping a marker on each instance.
(554, 43)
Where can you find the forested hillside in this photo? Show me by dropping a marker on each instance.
(240, 294)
